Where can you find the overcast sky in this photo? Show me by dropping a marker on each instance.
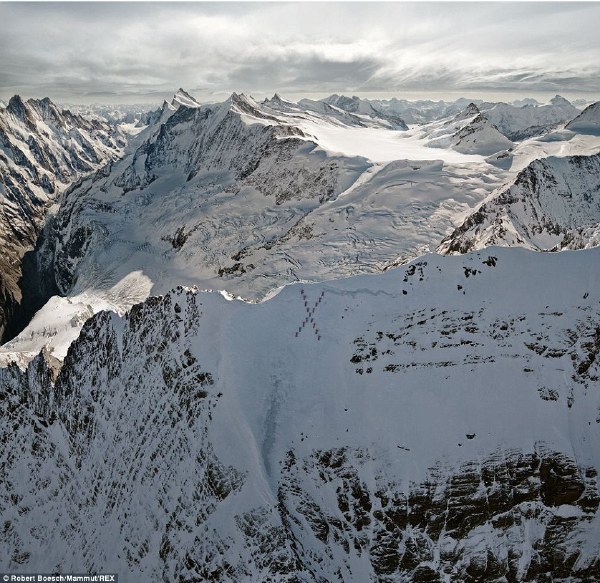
(142, 52)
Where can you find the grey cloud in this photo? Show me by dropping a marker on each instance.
(298, 74)
(80, 51)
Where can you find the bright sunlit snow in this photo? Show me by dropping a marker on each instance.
(382, 145)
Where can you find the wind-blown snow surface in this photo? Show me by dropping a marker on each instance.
(438, 422)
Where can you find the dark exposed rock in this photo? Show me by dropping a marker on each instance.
(552, 205)
(45, 150)
(502, 491)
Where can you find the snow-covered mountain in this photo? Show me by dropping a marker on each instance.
(553, 204)
(42, 151)
(588, 122)
(469, 132)
(246, 197)
(414, 112)
(320, 107)
(480, 137)
(356, 105)
(179, 168)
(438, 422)
(518, 123)
(113, 114)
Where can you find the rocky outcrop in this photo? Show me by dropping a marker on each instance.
(553, 204)
(42, 151)
(463, 524)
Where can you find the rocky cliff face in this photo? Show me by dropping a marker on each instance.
(553, 204)
(42, 151)
(435, 423)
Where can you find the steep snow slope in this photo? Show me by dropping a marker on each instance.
(42, 151)
(554, 203)
(439, 422)
(588, 122)
(480, 137)
(518, 123)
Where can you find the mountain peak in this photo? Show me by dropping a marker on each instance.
(559, 100)
(16, 106)
(277, 100)
(239, 97)
(46, 108)
(182, 97)
(244, 103)
(472, 109)
(469, 111)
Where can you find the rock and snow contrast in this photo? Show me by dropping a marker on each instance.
(554, 203)
(470, 132)
(246, 197)
(249, 366)
(42, 151)
(518, 123)
(361, 106)
(438, 422)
